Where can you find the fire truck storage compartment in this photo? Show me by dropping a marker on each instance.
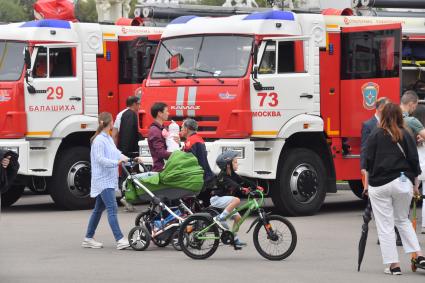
(370, 64)
(413, 67)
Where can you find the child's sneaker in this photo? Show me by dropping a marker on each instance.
(420, 260)
(221, 223)
(239, 243)
(393, 271)
(91, 243)
(122, 244)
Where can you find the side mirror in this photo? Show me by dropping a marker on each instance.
(255, 54)
(27, 58)
(255, 72)
(31, 89)
(148, 57)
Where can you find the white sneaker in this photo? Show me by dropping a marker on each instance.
(91, 243)
(122, 244)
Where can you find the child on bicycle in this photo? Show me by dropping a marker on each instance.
(228, 184)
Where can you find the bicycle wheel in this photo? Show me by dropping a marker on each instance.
(139, 238)
(279, 241)
(191, 245)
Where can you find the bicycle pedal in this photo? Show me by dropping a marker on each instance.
(237, 248)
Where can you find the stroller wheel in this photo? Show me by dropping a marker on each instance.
(175, 241)
(139, 238)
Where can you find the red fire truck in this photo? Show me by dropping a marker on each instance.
(287, 91)
(49, 102)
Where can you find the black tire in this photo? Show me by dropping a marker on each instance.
(300, 186)
(69, 186)
(197, 222)
(12, 195)
(287, 225)
(38, 185)
(144, 219)
(139, 238)
(356, 187)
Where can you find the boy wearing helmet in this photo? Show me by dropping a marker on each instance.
(228, 184)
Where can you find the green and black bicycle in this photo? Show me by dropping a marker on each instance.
(274, 236)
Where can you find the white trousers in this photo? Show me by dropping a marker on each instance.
(390, 205)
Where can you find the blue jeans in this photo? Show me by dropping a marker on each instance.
(107, 200)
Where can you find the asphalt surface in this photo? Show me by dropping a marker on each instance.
(39, 243)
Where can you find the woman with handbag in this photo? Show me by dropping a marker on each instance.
(393, 166)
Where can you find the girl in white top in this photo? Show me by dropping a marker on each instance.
(419, 114)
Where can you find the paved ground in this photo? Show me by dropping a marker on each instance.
(41, 244)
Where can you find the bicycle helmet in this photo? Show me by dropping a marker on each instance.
(225, 158)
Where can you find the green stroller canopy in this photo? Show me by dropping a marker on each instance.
(181, 176)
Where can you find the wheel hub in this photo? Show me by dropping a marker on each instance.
(304, 183)
(79, 179)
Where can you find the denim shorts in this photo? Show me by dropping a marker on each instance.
(221, 202)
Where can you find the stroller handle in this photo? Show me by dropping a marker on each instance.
(131, 164)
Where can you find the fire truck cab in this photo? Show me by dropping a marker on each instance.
(55, 77)
(287, 91)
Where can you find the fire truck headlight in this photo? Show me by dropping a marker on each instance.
(10, 148)
(239, 150)
(144, 151)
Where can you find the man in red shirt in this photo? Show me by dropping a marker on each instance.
(195, 144)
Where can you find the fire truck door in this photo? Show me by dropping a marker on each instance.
(287, 88)
(57, 88)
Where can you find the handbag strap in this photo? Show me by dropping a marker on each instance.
(398, 144)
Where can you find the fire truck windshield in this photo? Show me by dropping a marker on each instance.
(203, 56)
(11, 60)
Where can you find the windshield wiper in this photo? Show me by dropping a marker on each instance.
(168, 75)
(214, 74)
(188, 75)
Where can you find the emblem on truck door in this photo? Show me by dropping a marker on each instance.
(370, 92)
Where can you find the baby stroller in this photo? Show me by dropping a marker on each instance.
(181, 179)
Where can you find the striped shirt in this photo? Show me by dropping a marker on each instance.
(104, 157)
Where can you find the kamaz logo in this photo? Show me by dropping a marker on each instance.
(185, 107)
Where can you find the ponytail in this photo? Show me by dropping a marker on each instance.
(104, 119)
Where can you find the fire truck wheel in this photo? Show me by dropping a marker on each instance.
(12, 195)
(70, 184)
(300, 188)
(357, 187)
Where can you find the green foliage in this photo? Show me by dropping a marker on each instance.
(11, 12)
(85, 11)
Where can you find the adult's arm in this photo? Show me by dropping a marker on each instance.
(199, 150)
(371, 147)
(411, 151)
(366, 130)
(99, 148)
(158, 146)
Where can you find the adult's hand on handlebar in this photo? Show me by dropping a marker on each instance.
(123, 159)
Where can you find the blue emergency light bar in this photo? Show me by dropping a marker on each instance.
(47, 24)
(271, 15)
(182, 20)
